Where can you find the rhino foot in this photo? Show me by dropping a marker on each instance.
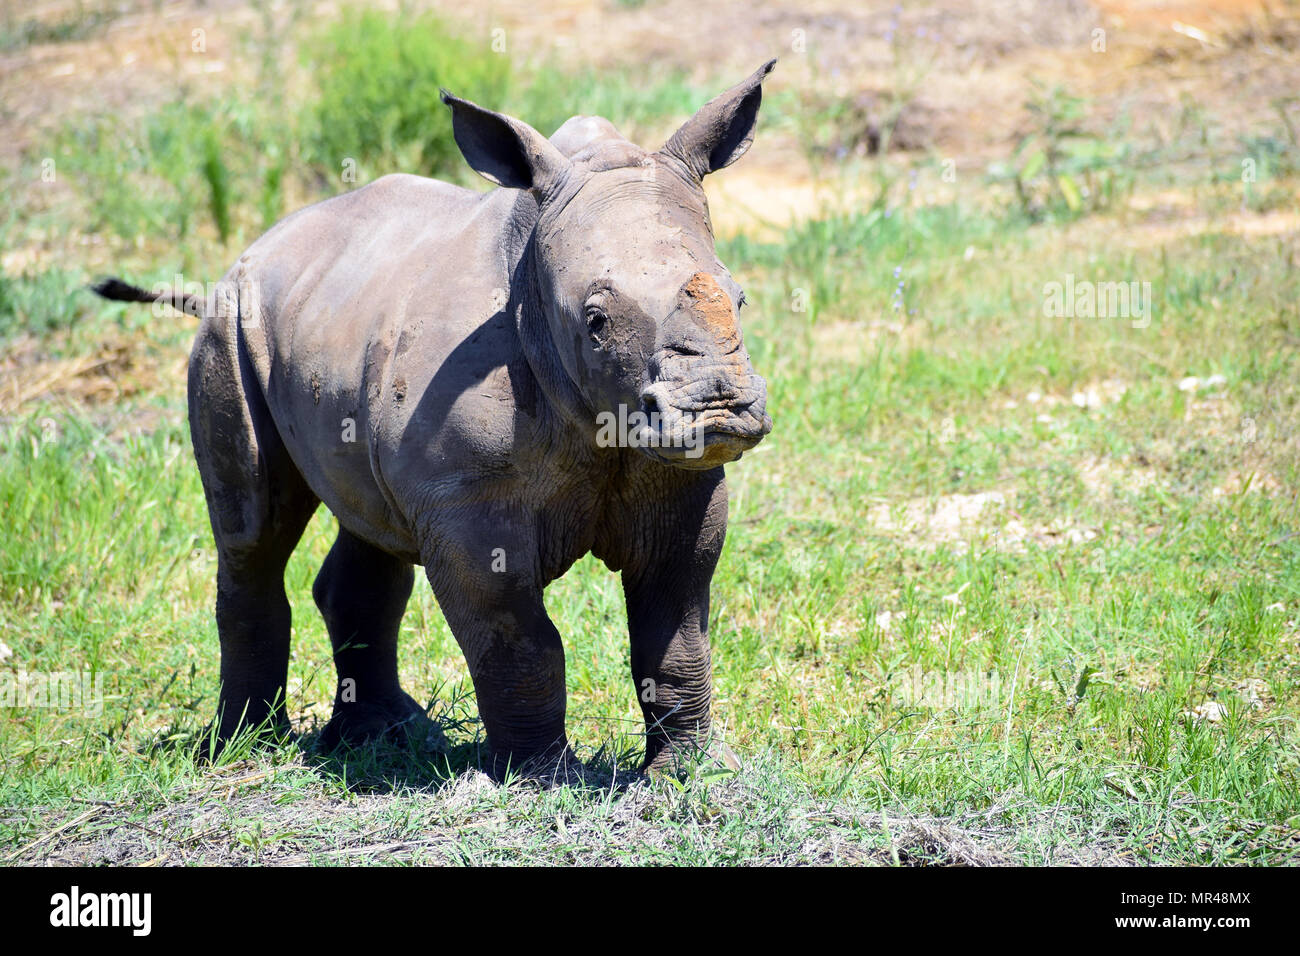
(395, 720)
(558, 767)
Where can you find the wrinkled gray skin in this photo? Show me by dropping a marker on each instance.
(466, 342)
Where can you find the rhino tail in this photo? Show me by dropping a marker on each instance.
(119, 291)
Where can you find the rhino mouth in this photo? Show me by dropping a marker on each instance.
(699, 435)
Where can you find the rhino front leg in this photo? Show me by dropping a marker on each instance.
(362, 593)
(487, 589)
(668, 621)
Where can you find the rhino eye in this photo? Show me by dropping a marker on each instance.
(597, 321)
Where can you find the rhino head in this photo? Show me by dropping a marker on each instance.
(626, 300)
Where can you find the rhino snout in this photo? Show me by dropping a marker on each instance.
(707, 421)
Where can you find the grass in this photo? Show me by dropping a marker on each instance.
(1119, 544)
(1001, 587)
(379, 78)
(37, 302)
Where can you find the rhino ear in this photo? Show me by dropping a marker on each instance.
(502, 149)
(722, 130)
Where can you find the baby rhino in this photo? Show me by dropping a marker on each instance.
(489, 385)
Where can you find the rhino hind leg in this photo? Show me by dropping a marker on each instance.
(362, 593)
(258, 505)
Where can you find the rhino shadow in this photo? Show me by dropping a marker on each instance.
(421, 757)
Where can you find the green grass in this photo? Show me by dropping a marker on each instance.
(38, 302)
(982, 586)
(379, 79)
(1167, 592)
